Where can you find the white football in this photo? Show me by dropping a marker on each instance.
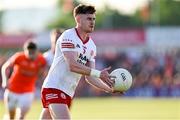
(123, 80)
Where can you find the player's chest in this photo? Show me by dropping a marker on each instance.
(84, 53)
(28, 65)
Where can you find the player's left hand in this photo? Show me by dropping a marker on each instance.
(112, 79)
(105, 77)
(115, 91)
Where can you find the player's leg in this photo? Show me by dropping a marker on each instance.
(11, 114)
(59, 111)
(45, 114)
(22, 112)
(10, 104)
(57, 103)
(24, 103)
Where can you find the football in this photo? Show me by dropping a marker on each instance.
(123, 80)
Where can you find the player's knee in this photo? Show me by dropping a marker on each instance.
(45, 114)
(59, 111)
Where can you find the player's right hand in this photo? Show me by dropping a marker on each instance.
(106, 77)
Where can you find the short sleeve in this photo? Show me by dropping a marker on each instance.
(14, 59)
(67, 42)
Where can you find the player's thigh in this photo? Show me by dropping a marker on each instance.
(54, 96)
(25, 101)
(10, 100)
(59, 111)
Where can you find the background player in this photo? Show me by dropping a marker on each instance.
(74, 57)
(20, 87)
(49, 55)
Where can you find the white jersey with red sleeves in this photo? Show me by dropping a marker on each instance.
(59, 76)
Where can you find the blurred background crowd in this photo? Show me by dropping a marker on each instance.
(145, 39)
(154, 75)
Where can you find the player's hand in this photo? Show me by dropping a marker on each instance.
(4, 85)
(106, 77)
(118, 92)
(115, 91)
(112, 79)
(111, 90)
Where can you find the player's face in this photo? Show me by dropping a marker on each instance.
(31, 54)
(87, 22)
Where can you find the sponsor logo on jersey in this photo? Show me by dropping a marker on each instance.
(78, 46)
(84, 49)
(51, 96)
(63, 96)
(82, 59)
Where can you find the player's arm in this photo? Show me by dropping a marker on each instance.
(42, 71)
(96, 82)
(74, 66)
(5, 71)
(48, 64)
(43, 68)
(71, 58)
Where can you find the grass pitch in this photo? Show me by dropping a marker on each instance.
(115, 109)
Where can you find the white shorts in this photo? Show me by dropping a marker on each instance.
(14, 100)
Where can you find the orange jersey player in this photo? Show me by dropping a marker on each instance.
(20, 87)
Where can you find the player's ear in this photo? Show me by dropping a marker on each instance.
(78, 18)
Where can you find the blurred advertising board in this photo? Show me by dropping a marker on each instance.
(119, 38)
(163, 37)
(13, 41)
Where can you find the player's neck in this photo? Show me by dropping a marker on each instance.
(83, 35)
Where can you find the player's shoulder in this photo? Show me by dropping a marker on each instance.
(68, 33)
(47, 53)
(68, 36)
(19, 54)
(41, 59)
(40, 55)
(92, 42)
(18, 57)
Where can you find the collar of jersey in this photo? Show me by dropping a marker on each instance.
(83, 41)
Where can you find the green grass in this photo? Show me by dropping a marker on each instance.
(117, 109)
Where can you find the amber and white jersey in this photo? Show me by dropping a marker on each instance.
(59, 76)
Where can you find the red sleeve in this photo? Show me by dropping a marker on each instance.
(14, 59)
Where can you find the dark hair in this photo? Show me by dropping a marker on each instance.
(30, 45)
(57, 32)
(84, 9)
